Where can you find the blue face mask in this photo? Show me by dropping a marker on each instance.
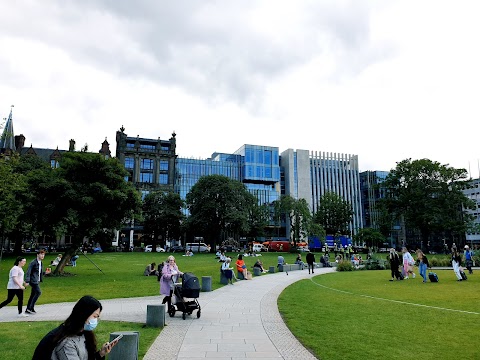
(91, 325)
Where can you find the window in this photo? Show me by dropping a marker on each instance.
(147, 164)
(129, 163)
(267, 157)
(147, 147)
(145, 193)
(146, 177)
(54, 164)
(165, 147)
(130, 145)
(163, 179)
(163, 164)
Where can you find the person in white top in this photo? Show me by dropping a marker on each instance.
(408, 263)
(16, 285)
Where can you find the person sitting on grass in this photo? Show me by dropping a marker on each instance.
(150, 270)
(57, 260)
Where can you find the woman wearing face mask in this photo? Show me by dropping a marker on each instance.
(75, 339)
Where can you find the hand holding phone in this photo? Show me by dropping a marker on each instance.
(115, 341)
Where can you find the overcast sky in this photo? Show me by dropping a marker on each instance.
(385, 80)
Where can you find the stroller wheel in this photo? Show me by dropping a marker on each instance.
(198, 314)
(171, 311)
(184, 316)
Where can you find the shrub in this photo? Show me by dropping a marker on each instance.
(345, 266)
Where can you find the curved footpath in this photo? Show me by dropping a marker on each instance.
(239, 321)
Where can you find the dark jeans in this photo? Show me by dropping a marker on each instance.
(310, 266)
(11, 294)
(395, 272)
(168, 300)
(34, 295)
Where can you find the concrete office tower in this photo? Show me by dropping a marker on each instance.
(327, 172)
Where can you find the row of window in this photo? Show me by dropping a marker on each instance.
(145, 164)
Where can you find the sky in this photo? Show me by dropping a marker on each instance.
(384, 80)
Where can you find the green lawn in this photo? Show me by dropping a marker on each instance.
(119, 272)
(342, 325)
(362, 314)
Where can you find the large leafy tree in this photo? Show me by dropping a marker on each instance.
(163, 217)
(429, 196)
(94, 197)
(334, 214)
(258, 218)
(11, 184)
(299, 216)
(218, 205)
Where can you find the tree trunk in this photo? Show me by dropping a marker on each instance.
(69, 253)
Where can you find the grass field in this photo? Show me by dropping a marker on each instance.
(361, 314)
(343, 315)
(121, 275)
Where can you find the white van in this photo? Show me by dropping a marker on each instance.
(258, 248)
(197, 247)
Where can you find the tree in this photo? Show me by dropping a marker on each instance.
(10, 206)
(370, 237)
(258, 218)
(217, 205)
(163, 217)
(429, 196)
(299, 217)
(334, 214)
(94, 197)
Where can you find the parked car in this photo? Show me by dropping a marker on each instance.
(259, 247)
(149, 248)
(177, 248)
(197, 247)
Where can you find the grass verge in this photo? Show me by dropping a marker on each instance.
(362, 314)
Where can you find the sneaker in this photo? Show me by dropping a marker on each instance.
(390, 280)
(413, 275)
(31, 312)
(23, 314)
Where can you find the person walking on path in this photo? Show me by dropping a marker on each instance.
(310, 261)
(16, 285)
(394, 264)
(170, 273)
(422, 264)
(456, 260)
(408, 263)
(468, 259)
(33, 278)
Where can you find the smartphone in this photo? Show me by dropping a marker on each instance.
(114, 341)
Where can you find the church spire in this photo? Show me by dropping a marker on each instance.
(7, 141)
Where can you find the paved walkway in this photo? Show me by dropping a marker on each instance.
(237, 322)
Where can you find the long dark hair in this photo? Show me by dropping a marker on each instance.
(17, 260)
(82, 310)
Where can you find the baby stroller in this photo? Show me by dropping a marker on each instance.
(185, 295)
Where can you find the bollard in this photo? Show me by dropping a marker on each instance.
(206, 283)
(271, 269)
(256, 271)
(156, 315)
(127, 346)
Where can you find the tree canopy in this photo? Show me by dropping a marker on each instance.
(334, 214)
(162, 216)
(429, 196)
(298, 214)
(218, 205)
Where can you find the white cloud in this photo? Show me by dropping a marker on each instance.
(384, 80)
